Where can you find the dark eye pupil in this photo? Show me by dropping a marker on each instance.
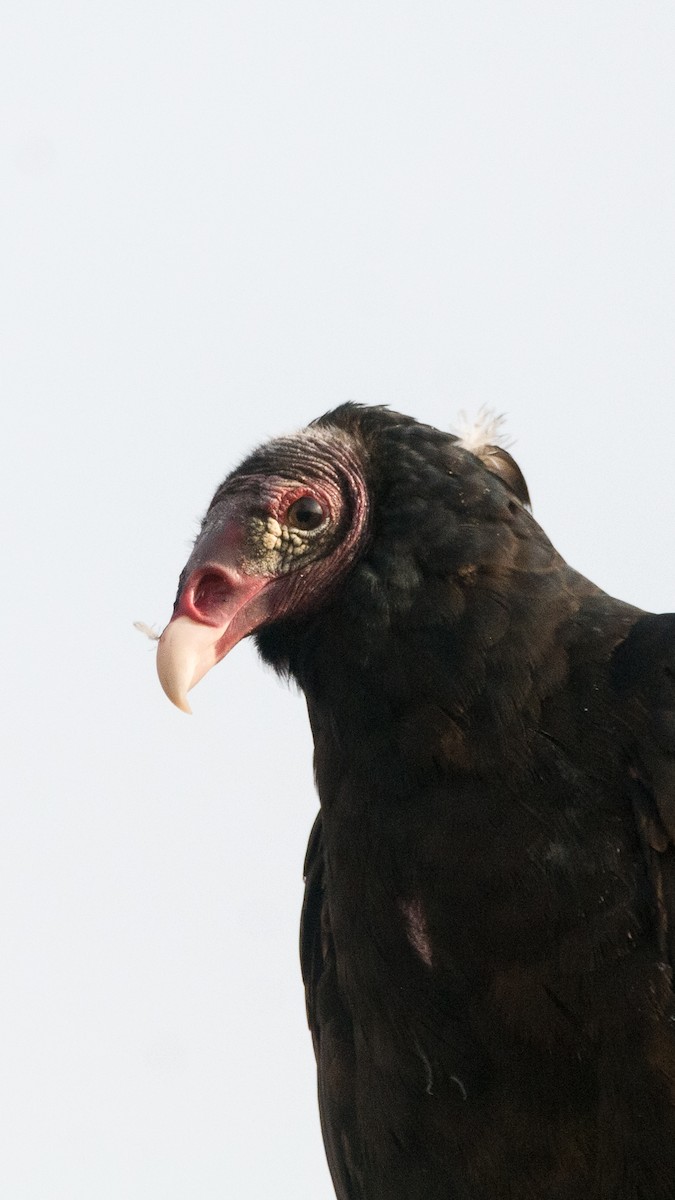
(305, 513)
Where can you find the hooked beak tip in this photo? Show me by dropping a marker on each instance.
(185, 652)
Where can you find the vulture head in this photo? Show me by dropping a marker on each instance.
(365, 508)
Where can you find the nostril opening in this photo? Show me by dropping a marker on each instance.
(210, 593)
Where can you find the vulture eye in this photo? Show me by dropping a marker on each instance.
(305, 513)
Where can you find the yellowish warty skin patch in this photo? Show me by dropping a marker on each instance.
(274, 548)
(270, 532)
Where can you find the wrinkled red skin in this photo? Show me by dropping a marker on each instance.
(226, 583)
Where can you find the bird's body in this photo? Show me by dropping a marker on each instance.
(487, 936)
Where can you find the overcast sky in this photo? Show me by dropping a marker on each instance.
(220, 219)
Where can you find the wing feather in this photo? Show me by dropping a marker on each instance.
(331, 1028)
(644, 672)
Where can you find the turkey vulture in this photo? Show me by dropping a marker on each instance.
(488, 931)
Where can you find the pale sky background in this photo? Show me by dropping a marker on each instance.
(220, 219)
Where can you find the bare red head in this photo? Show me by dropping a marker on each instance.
(279, 534)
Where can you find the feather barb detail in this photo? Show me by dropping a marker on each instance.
(486, 429)
(147, 630)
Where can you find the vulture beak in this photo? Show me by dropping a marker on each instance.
(218, 605)
(186, 651)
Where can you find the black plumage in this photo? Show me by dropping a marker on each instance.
(488, 927)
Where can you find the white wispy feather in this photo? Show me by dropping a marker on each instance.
(147, 630)
(486, 429)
